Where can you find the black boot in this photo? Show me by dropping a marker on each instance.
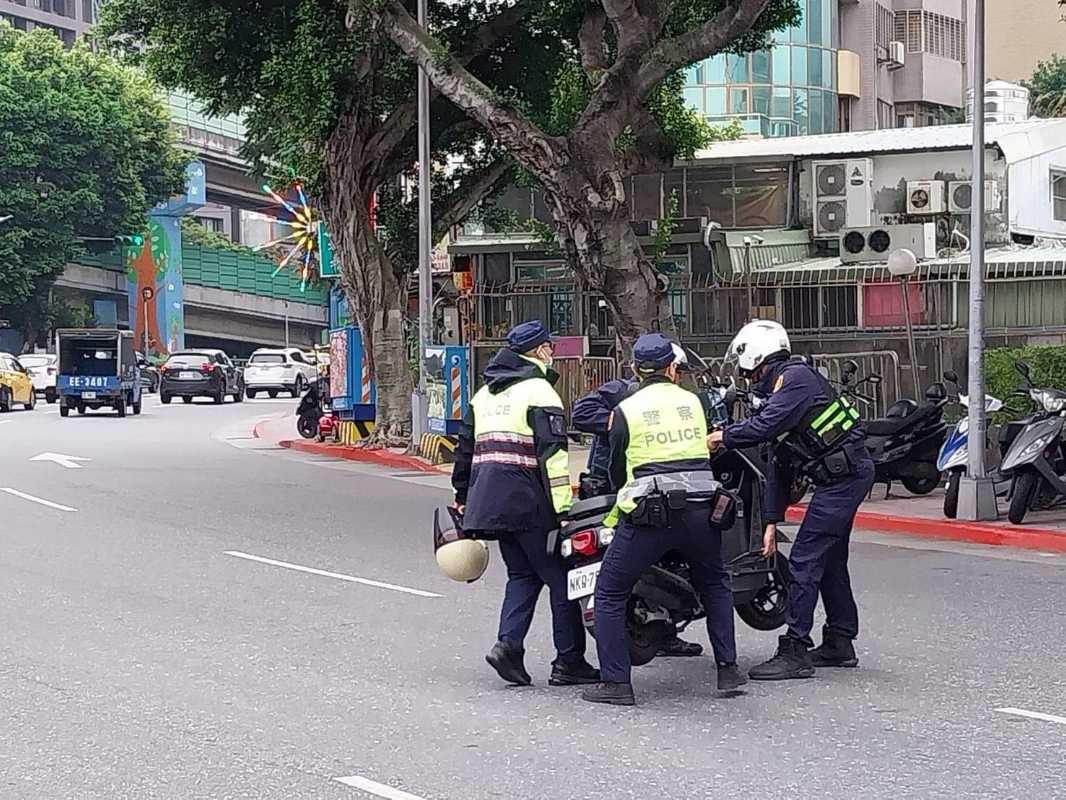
(730, 678)
(612, 694)
(679, 648)
(836, 650)
(508, 664)
(576, 674)
(792, 660)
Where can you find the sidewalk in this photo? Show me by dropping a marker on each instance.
(900, 512)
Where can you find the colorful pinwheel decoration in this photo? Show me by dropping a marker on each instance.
(294, 213)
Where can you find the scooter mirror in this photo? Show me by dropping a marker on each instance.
(1023, 369)
(951, 377)
(850, 367)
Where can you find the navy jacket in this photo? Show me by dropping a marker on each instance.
(502, 497)
(791, 387)
(590, 413)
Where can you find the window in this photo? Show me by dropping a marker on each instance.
(760, 67)
(885, 115)
(267, 358)
(738, 100)
(1058, 195)
(88, 11)
(885, 25)
(936, 34)
(212, 223)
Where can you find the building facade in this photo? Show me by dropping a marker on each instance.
(67, 19)
(1022, 33)
(848, 65)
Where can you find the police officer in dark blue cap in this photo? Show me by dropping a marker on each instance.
(816, 432)
(512, 481)
(658, 449)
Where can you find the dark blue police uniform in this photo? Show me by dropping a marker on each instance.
(819, 555)
(590, 414)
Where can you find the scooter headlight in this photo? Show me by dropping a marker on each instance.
(1052, 402)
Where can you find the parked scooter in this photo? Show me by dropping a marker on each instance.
(308, 412)
(954, 453)
(1036, 460)
(905, 443)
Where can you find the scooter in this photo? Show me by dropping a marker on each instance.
(954, 453)
(308, 412)
(1036, 459)
(663, 602)
(906, 442)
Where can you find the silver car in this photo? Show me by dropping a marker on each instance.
(42, 369)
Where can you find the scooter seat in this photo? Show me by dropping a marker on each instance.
(590, 506)
(891, 426)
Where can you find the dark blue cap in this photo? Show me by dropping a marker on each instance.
(526, 336)
(653, 351)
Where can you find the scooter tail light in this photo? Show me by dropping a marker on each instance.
(566, 549)
(584, 542)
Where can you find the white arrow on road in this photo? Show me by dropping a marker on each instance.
(70, 462)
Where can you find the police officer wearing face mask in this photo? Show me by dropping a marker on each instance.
(817, 432)
(658, 451)
(511, 481)
(590, 414)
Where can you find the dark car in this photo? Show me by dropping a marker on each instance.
(200, 373)
(149, 375)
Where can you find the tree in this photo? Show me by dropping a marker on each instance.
(1047, 88)
(336, 104)
(612, 118)
(85, 151)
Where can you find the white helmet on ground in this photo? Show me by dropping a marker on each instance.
(458, 556)
(757, 341)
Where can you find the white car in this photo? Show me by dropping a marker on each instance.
(42, 368)
(282, 370)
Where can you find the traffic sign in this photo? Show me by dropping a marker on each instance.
(326, 267)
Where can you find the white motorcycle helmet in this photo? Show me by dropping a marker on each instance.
(458, 556)
(680, 357)
(757, 341)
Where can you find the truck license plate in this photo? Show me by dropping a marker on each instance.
(88, 395)
(581, 582)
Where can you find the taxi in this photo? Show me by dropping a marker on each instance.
(16, 385)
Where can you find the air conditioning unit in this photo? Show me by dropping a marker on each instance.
(926, 197)
(843, 195)
(873, 244)
(897, 54)
(960, 197)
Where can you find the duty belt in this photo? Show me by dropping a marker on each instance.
(698, 484)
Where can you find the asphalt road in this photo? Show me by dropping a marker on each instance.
(141, 658)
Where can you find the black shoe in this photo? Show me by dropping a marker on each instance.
(730, 678)
(576, 674)
(792, 660)
(836, 650)
(508, 664)
(612, 694)
(679, 648)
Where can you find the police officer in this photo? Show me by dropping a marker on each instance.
(590, 414)
(817, 432)
(512, 480)
(657, 436)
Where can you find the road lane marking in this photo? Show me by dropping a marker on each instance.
(375, 788)
(33, 499)
(70, 462)
(327, 574)
(1021, 712)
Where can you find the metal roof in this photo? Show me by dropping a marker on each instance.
(1017, 140)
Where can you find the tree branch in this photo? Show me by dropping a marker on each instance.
(591, 41)
(636, 26)
(403, 117)
(513, 129)
(711, 37)
(469, 193)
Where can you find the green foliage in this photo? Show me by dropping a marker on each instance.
(1047, 88)
(664, 231)
(1047, 367)
(195, 233)
(85, 150)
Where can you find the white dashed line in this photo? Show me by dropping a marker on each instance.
(377, 789)
(1021, 712)
(39, 500)
(327, 574)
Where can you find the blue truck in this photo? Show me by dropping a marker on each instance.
(97, 368)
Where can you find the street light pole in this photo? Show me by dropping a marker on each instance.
(977, 494)
(425, 238)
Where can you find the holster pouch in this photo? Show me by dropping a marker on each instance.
(723, 509)
(651, 511)
(837, 464)
(590, 485)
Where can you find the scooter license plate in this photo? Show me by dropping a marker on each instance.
(581, 582)
(88, 395)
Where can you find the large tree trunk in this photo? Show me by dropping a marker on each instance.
(375, 297)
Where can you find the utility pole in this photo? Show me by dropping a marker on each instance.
(419, 408)
(977, 494)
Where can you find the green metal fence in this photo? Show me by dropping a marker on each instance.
(243, 272)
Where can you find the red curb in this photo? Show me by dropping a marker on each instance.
(1046, 539)
(382, 457)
